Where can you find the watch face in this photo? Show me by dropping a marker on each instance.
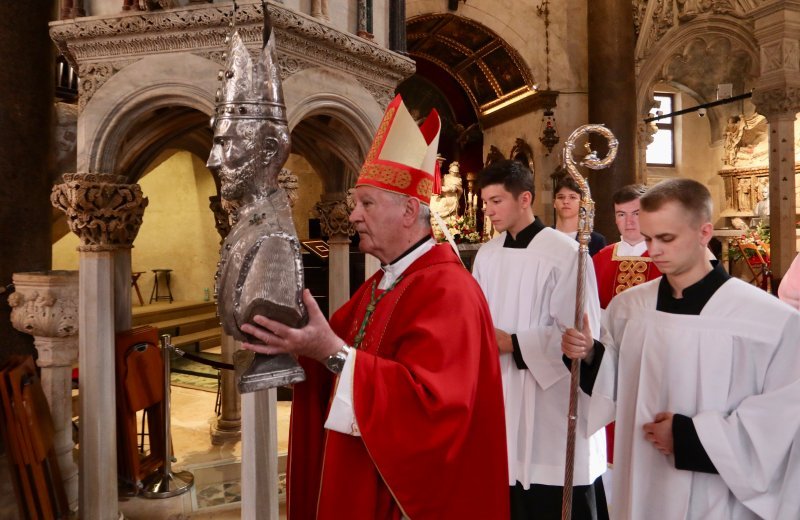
(335, 363)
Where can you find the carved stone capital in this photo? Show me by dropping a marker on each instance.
(777, 101)
(45, 304)
(101, 209)
(334, 216)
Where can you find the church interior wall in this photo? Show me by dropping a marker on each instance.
(178, 230)
(521, 26)
(309, 192)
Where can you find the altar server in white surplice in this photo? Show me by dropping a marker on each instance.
(704, 373)
(529, 276)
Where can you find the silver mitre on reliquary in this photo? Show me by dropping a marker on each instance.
(260, 270)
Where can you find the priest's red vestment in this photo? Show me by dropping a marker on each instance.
(428, 403)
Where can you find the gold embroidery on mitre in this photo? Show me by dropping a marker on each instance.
(425, 188)
(630, 274)
(378, 141)
(386, 174)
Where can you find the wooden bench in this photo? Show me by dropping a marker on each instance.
(203, 320)
(195, 339)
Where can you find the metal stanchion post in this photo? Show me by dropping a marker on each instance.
(165, 483)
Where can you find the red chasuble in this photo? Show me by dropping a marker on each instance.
(618, 273)
(428, 402)
(615, 274)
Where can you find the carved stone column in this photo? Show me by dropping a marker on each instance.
(106, 214)
(334, 220)
(612, 78)
(72, 9)
(397, 25)
(228, 425)
(364, 19)
(777, 96)
(45, 305)
(319, 9)
(780, 107)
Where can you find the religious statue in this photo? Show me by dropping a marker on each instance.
(446, 203)
(743, 189)
(733, 139)
(762, 206)
(260, 270)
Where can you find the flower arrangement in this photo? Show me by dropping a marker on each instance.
(759, 237)
(462, 228)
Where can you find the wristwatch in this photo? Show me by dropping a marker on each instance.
(335, 362)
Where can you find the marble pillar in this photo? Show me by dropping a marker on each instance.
(45, 305)
(260, 455)
(105, 213)
(27, 68)
(612, 80)
(782, 210)
(397, 26)
(364, 19)
(334, 220)
(777, 96)
(228, 424)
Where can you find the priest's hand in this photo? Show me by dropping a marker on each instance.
(659, 432)
(578, 345)
(316, 340)
(504, 343)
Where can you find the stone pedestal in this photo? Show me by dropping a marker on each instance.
(260, 455)
(334, 218)
(45, 305)
(106, 214)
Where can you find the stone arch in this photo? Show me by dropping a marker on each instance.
(153, 85)
(681, 44)
(336, 121)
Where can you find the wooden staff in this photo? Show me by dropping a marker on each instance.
(585, 225)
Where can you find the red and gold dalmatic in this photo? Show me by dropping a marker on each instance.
(428, 404)
(618, 273)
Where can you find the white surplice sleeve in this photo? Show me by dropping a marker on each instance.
(540, 346)
(342, 416)
(756, 448)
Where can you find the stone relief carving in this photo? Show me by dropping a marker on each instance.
(704, 63)
(98, 47)
(688, 9)
(780, 55)
(639, 9)
(334, 216)
(745, 141)
(747, 191)
(101, 209)
(65, 137)
(49, 310)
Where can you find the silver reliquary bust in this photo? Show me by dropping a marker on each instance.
(260, 269)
